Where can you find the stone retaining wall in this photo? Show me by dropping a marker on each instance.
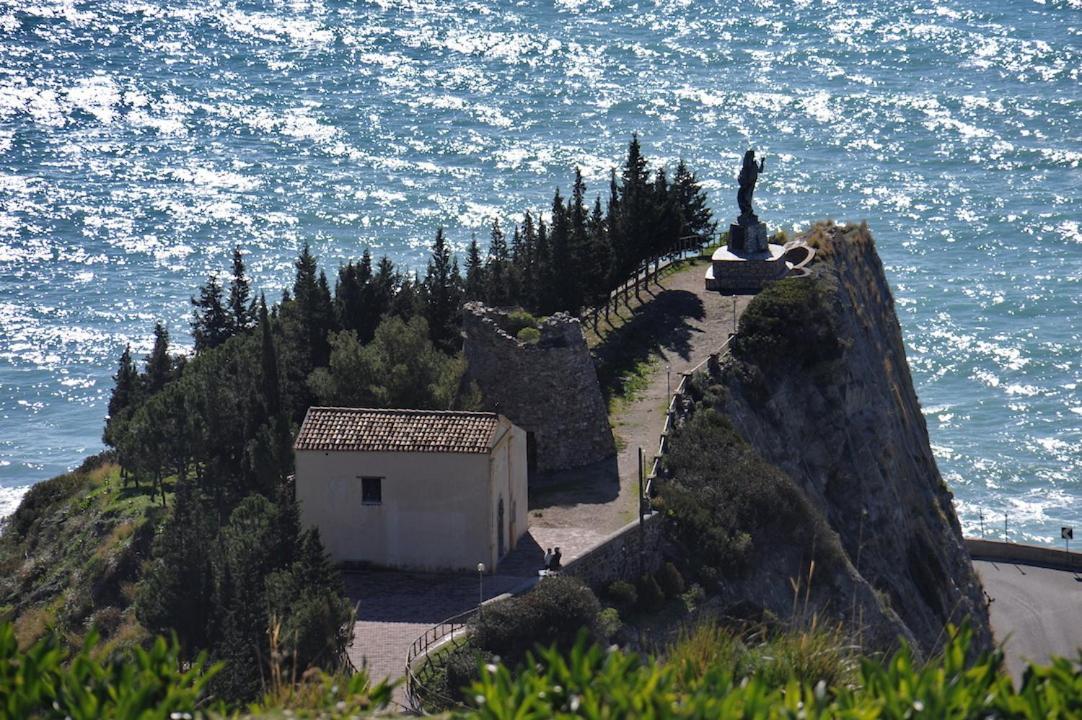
(617, 557)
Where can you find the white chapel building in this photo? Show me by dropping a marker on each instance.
(415, 489)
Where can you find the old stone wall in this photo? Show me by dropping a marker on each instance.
(624, 555)
(549, 388)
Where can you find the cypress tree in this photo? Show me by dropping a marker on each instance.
(242, 308)
(211, 323)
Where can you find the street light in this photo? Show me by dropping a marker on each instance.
(480, 587)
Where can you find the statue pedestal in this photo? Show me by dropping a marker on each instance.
(748, 235)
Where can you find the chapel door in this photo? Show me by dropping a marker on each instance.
(499, 529)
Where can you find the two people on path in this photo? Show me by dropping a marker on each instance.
(552, 560)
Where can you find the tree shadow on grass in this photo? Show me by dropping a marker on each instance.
(659, 325)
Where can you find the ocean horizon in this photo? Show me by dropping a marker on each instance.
(140, 142)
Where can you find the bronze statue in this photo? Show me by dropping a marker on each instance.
(749, 173)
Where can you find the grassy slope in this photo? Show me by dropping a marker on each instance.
(71, 554)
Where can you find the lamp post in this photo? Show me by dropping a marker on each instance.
(480, 588)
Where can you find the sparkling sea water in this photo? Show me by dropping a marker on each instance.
(139, 141)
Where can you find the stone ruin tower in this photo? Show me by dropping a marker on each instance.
(549, 388)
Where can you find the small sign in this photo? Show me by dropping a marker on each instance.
(1067, 533)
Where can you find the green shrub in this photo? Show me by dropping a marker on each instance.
(670, 580)
(528, 335)
(552, 613)
(622, 594)
(725, 501)
(650, 596)
(789, 323)
(462, 668)
(518, 320)
(40, 498)
(608, 623)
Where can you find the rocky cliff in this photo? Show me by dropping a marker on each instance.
(817, 384)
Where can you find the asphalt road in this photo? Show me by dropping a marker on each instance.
(1036, 612)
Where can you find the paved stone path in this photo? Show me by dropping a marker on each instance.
(682, 325)
(1036, 612)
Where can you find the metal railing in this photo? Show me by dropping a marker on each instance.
(691, 245)
(453, 629)
(670, 417)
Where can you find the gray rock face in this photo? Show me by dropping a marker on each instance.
(549, 388)
(855, 440)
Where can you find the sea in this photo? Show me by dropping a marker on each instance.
(140, 141)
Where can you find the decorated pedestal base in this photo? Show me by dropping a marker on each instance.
(744, 271)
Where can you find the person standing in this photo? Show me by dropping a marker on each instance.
(555, 565)
(548, 559)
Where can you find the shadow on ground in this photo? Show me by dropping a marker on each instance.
(425, 598)
(661, 324)
(594, 484)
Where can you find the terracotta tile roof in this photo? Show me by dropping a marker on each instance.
(368, 430)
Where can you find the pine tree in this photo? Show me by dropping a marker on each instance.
(442, 296)
(578, 243)
(599, 258)
(613, 224)
(175, 593)
(696, 216)
(123, 399)
(268, 364)
(211, 323)
(544, 273)
(526, 265)
(314, 308)
(496, 269)
(370, 311)
(561, 277)
(242, 308)
(159, 363)
(636, 206)
(666, 217)
(384, 286)
(475, 272)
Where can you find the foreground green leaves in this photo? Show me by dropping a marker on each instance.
(45, 682)
(42, 683)
(592, 683)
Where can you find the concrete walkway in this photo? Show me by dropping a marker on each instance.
(1036, 612)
